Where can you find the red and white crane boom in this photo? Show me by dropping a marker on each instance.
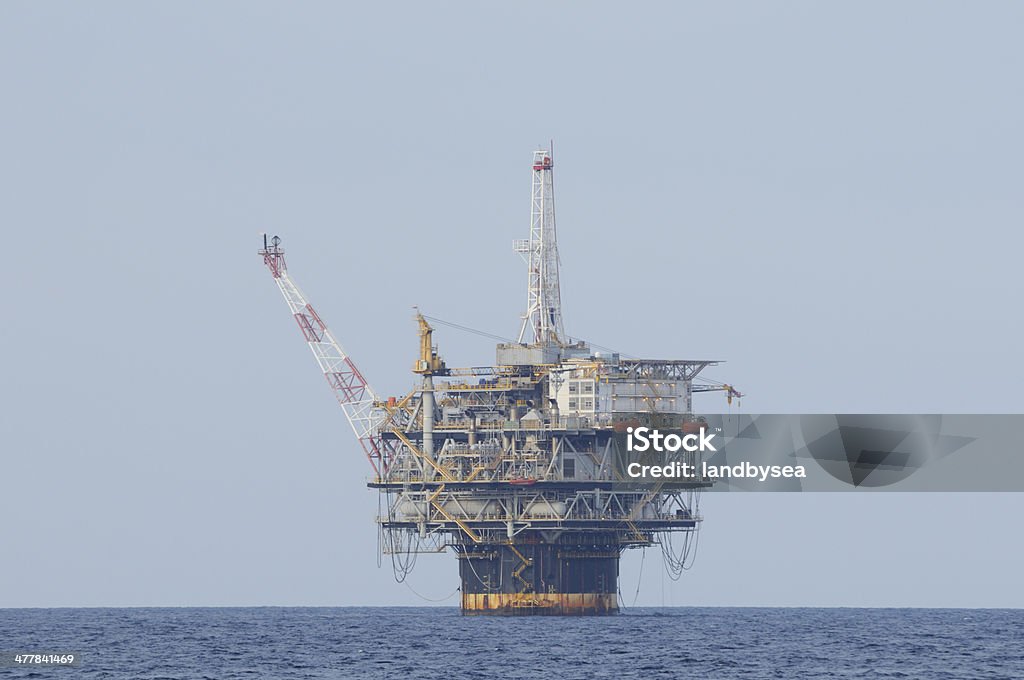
(350, 388)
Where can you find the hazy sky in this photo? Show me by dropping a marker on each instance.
(826, 195)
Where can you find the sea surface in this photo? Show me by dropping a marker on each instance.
(368, 643)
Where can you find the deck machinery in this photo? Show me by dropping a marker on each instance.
(519, 467)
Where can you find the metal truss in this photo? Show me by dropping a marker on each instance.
(481, 515)
(350, 388)
(543, 315)
(663, 369)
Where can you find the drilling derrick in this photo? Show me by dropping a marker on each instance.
(518, 467)
(543, 316)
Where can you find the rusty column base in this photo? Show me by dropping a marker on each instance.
(575, 576)
(539, 604)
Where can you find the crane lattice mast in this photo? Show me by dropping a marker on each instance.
(350, 388)
(543, 318)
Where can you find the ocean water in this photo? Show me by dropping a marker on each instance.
(409, 643)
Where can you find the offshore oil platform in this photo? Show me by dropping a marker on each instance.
(518, 467)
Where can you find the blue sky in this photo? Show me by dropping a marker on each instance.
(827, 196)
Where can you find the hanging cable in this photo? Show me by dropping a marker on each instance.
(467, 329)
(427, 599)
(640, 579)
(501, 338)
(469, 561)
